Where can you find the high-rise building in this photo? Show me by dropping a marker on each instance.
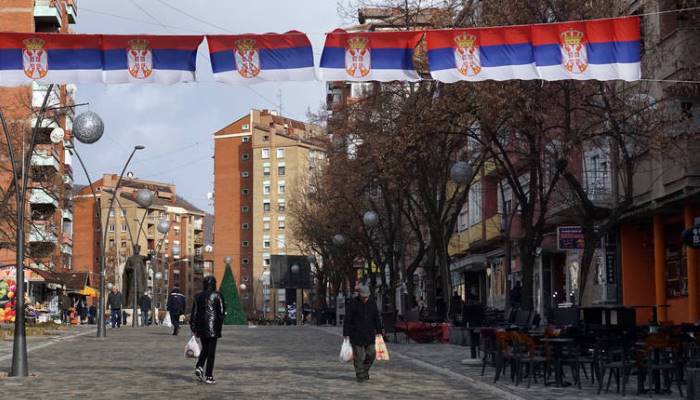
(178, 255)
(48, 225)
(258, 161)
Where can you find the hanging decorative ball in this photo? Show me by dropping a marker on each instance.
(243, 286)
(339, 239)
(88, 127)
(144, 198)
(110, 285)
(461, 172)
(295, 269)
(163, 226)
(176, 249)
(371, 219)
(159, 275)
(228, 260)
(57, 135)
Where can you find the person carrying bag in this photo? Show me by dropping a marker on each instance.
(206, 318)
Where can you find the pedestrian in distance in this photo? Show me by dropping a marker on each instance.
(64, 304)
(115, 301)
(145, 306)
(176, 307)
(362, 325)
(206, 319)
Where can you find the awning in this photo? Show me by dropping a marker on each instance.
(474, 262)
(75, 281)
(88, 291)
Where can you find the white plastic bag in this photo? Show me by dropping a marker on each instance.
(192, 348)
(166, 320)
(346, 351)
(380, 349)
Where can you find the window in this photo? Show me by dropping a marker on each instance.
(245, 174)
(280, 188)
(266, 138)
(244, 192)
(505, 192)
(111, 227)
(245, 139)
(267, 189)
(676, 261)
(245, 225)
(281, 170)
(123, 244)
(124, 227)
(245, 126)
(463, 219)
(280, 153)
(244, 243)
(280, 224)
(245, 209)
(111, 213)
(266, 206)
(177, 219)
(111, 243)
(266, 225)
(280, 241)
(266, 243)
(281, 207)
(123, 213)
(265, 153)
(266, 171)
(245, 156)
(245, 261)
(475, 203)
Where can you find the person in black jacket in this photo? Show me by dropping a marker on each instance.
(145, 306)
(207, 316)
(176, 306)
(362, 324)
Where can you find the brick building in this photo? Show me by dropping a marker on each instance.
(49, 214)
(258, 160)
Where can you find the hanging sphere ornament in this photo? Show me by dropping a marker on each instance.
(57, 135)
(338, 239)
(163, 226)
(159, 275)
(243, 286)
(110, 286)
(228, 259)
(295, 269)
(144, 198)
(461, 172)
(88, 127)
(371, 219)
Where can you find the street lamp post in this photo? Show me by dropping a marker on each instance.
(144, 198)
(163, 227)
(296, 272)
(101, 328)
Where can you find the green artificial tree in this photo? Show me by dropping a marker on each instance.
(234, 310)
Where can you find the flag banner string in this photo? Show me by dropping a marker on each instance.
(595, 49)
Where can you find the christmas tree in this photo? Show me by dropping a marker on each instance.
(234, 310)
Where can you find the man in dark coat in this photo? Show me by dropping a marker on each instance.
(206, 318)
(64, 303)
(145, 306)
(362, 324)
(176, 307)
(115, 300)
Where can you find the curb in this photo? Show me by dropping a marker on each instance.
(49, 342)
(504, 394)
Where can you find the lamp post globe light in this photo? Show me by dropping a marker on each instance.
(461, 172)
(159, 275)
(88, 127)
(228, 260)
(144, 198)
(370, 219)
(338, 239)
(110, 286)
(163, 226)
(243, 286)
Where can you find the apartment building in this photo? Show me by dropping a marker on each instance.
(258, 162)
(49, 209)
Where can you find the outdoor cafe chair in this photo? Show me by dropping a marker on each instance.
(615, 357)
(527, 353)
(504, 355)
(663, 358)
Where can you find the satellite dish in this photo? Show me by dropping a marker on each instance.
(129, 174)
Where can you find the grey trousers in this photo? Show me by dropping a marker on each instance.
(362, 359)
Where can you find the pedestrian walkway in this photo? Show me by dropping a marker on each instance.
(64, 332)
(252, 363)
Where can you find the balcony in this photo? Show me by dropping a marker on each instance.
(42, 197)
(39, 92)
(66, 239)
(47, 17)
(68, 181)
(45, 159)
(72, 11)
(67, 215)
(66, 249)
(198, 224)
(199, 239)
(42, 233)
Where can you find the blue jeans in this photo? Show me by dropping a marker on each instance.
(116, 317)
(144, 317)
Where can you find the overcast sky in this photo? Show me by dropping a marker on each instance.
(176, 123)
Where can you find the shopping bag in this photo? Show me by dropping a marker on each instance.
(346, 351)
(166, 320)
(192, 348)
(380, 348)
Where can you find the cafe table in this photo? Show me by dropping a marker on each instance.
(558, 343)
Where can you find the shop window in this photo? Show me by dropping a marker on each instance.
(676, 262)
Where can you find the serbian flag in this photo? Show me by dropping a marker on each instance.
(149, 59)
(479, 54)
(49, 58)
(369, 56)
(605, 49)
(256, 58)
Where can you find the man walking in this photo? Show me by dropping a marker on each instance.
(115, 301)
(206, 318)
(145, 306)
(362, 324)
(176, 307)
(64, 304)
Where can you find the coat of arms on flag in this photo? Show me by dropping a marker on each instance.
(466, 51)
(574, 56)
(35, 59)
(140, 58)
(247, 58)
(358, 57)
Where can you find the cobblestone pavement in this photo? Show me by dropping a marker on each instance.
(259, 363)
(36, 342)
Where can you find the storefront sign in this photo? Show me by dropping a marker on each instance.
(691, 237)
(569, 237)
(610, 268)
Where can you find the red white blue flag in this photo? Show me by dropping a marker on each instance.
(149, 59)
(599, 49)
(369, 56)
(256, 58)
(49, 58)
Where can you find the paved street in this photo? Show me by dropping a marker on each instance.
(261, 363)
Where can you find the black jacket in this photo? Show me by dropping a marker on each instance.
(144, 303)
(176, 302)
(362, 322)
(208, 312)
(115, 300)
